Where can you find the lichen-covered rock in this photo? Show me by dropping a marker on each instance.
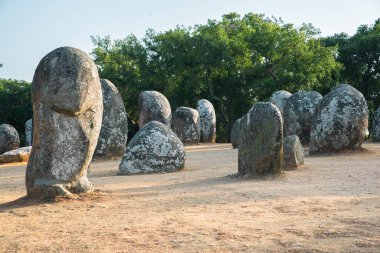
(340, 121)
(67, 116)
(28, 132)
(185, 124)
(279, 99)
(152, 105)
(9, 138)
(293, 153)
(17, 155)
(298, 113)
(207, 121)
(375, 133)
(235, 132)
(260, 142)
(114, 132)
(155, 148)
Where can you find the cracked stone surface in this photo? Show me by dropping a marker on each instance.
(154, 149)
(114, 132)
(340, 121)
(207, 121)
(185, 124)
(152, 105)
(260, 143)
(9, 138)
(298, 113)
(67, 116)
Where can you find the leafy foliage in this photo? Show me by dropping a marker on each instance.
(15, 104)
(233, 62)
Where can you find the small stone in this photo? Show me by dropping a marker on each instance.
(9, 138)
(17, 155)
(207, 121)
(235, 132)
(114, 132)
(340, 121)
(298, 113)
(260, 143)
(293, 153)
(29, 132)
(155, 148)
(185, 124)
(152, 105)
(376, 126)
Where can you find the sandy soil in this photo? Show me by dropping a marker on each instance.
(331, 205)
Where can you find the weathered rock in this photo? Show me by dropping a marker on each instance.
(9, 138)
(17, 155)
(260, 142)
(155, 148)
(67, 114)
(207, 121)
(293, 153)
(298, 113)
(375, 133)
(235, 132)
(114, 132)
(185, 124)
(340, 121)
(279, 99)
(152, 105)
(29, 132)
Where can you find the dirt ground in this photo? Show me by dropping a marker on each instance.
(331, 205)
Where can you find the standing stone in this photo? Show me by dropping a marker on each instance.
(28, 132)
(186, 124)
(114, 132)
(9, 138)
(235, 132)
(293, 153)
(340, 121)
(207, 121)
(152, 105)
(376, 126)
(260, 142)
(155, 148)
(279, 99)
(298, 113)
(67, 116)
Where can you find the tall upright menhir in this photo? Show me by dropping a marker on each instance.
(67, 116)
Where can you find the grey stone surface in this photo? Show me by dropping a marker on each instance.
(185, 124)
(260, 142)
(9, 138)
(294, 153)
(375, 133)
(298, 113)
(235, 133)
(340, 121)
(67, 114)
(207, 121)
(17, 155)
(29, 132)
(152, 105)
(114, 132)
(279, 98)
(155, 148)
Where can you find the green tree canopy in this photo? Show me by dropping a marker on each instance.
(233, 62)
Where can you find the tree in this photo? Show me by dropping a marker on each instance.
(234, 63)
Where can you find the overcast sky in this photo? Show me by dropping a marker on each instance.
(29, 29)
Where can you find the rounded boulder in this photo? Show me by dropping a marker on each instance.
(185, 124)
(152, 105)
(279, 98)
(207, 121)
(9, 138)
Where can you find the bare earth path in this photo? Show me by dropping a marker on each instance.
(332, 205)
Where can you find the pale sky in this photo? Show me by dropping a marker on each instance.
(29, 29)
